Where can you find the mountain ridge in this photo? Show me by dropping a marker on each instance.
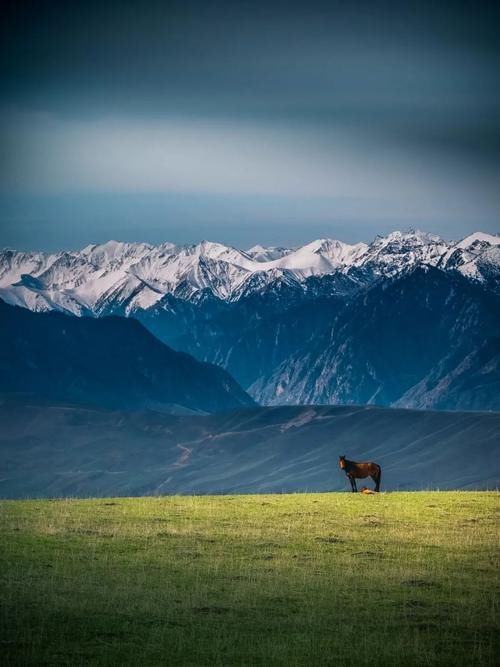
(136, 276)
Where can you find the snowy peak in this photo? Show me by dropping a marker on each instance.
(477, 257)
(267, 254)
(13, 265)
(389, 255)
(319, 257)
(412, 237)
(478, 239)
(115, 252)
(412, 240)
(342, 254)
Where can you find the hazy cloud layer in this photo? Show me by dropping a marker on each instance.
(321, 114)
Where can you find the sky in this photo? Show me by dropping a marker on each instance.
(247, 122)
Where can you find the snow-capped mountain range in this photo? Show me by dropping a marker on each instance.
(131, 277)
(408, 320)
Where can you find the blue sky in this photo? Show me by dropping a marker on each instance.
(247, 122)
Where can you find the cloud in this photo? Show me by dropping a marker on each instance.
(46, 154)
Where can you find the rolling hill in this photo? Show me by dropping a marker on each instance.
(49, 449)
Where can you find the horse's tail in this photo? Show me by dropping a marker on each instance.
(379, 479)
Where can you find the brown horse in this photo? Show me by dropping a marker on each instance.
(359, 471)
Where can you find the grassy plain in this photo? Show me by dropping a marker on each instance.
(306, 579)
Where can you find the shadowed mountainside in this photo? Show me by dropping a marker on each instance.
(112, 362)
(57, 450)
(427, 340)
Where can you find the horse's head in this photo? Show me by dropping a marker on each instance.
(342, 462)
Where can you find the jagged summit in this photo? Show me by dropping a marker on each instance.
(412, 234)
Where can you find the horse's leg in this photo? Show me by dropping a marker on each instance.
(353, 484)
(376, 478)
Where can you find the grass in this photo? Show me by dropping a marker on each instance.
(309, 579)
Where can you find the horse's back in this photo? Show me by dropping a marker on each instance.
(369, 465)
(367, 468)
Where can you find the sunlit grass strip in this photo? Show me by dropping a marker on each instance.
(306, 579)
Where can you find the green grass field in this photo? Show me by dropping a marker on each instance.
(312, 579)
